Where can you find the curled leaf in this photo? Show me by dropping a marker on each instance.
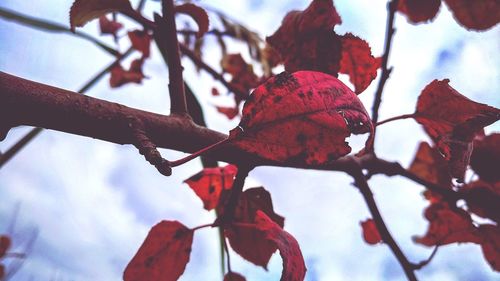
(301, 118)
(475, 14)
(452, 121)
(198, 14)
(109, 26)
(83, 11)
(418, 11)
(210, 182)
(294, 268)
(163, 255)
(370, 232)
(141, 41)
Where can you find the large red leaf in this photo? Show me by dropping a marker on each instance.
(163, 255)
(5, 243)
(210, 182)
(452, 121)
(301, 118)
(419, 10)
(83, 11)
(485, 157)
(475, 14)
(429, 164)
(294, 268)
(306, 41)
(448, 226)
(358, 62)
(233, 276)
(249, 242)
(483, 199)
(198, 14)
(491, 244)
(370, 232)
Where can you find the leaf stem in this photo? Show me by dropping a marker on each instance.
(197, 153)
(400, 117)
(202, 226)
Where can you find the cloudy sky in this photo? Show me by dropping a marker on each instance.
(91, 203)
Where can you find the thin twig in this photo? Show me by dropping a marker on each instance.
(391, 10)
(20, 144)
(400, 117)
(423, 263)
(364, 188)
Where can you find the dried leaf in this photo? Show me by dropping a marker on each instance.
(370, 232)
(452, 121)
(294, 268)
(448, 226)
(199, 15)
(358, 62)
(210, 182)
(163, 255)
(120, 76)
(476, 15)
(418, 11)
(141, 41)
(83, 11)
(109, 26)
(233, 276)
(491, 244)
(301, 118)
(249, 242)
(486, 156)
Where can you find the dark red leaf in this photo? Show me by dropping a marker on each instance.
(163, 255)
(483, 199)
(83, 11)
(448, 226)
(230, 112)
(249, 242)
(452, 121)
(491, 244)
(485, 157)
(210, 182)
(418, 11)
(294, 268)
(242, 73)
(109, 27)
(5, 243)
(370, 232)
(358, 62)
(301, 118)
(120, 76)
(429, 164)
(198, 14)
(475, 14)
(306, 41)
(141, 41)
(233, 276)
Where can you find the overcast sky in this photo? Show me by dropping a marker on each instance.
(93, 202)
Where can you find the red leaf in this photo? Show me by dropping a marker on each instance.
(242, 73)
(491, 244)
(301, 118)
(209, 183)
(357, 61)
(483, 199)
(452, 121)
(418, 11)
(448, 226)
(370, 232)
(141, 41)
(249, 242)
(230, 112)
(163, 255)
(294, 267)
(475, 14)
(120, 76)
(108, 26)
(306, 41)
(2, 271)
(429, 164)
(198, 14)
(83, 11)
(486, 156)
(233, 276)
(5, 243)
